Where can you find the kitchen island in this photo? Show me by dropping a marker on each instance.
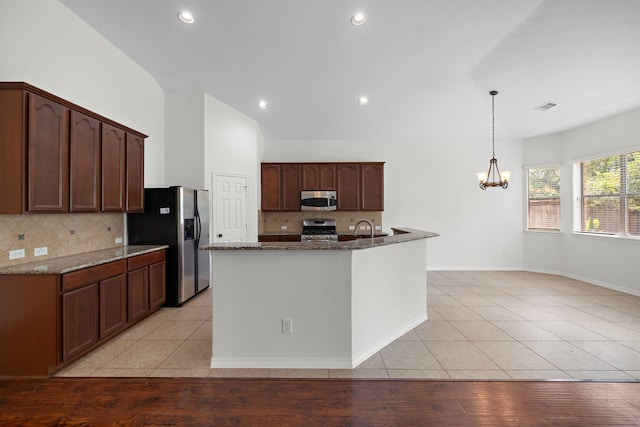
(327, 305)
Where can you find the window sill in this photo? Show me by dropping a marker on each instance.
(551, 232)
(605, 236)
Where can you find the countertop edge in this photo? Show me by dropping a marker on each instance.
(402, 234)
(69, 263)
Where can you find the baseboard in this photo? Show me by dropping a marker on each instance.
(388, 339)
(589, 280)
(281, 363)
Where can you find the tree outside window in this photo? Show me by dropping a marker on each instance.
(543, 198)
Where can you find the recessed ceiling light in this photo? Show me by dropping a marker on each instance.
(263, 105)
(358, 19)
(363, 100)
(186, 17)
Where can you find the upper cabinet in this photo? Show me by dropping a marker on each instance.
(56, 156)
(113, 169)
(359, 186)
(135, 173)
(48, 155)
(318, 176)
(86, 177)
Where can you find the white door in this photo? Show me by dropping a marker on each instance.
(231, 209)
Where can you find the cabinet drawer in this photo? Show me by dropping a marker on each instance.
(146, 259)
(93, 274)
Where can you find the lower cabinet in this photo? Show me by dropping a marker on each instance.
(113, 305)
(79, 320)
(50, 320)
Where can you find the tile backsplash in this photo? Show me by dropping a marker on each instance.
(62, 234)
(272, 222)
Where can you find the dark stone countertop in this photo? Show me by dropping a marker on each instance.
(67, 264)
(400, 235)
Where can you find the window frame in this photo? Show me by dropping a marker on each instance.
(528, 228)
(578, 196)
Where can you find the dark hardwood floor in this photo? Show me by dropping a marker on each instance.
(291, 402)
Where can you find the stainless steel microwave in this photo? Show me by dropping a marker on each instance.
(318, 201)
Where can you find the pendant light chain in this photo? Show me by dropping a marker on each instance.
(493, 122)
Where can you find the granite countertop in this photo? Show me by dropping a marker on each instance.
(67, 264)
(340, 233)
(401, 235)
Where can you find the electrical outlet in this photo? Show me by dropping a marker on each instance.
(378, 227)
(287, 326)
(118, 240)
(18, 253)
(40, 251)
(352, 227)
(283, 227)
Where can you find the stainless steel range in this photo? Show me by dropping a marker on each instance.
(314, 230)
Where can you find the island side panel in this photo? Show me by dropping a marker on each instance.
(252, 291)
(389, 295)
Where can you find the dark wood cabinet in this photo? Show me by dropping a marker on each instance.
(157, 285)
(137, 294)
(359, 186)
(135, 174)
(56, 156)
(290, 187)
(84, 163)
(113, 305)
(48, 155)
(318, 176)
(50, 320)
(146, 289)
(79, 320)
(270, 179)
(348, 180)
(372, 187)
(113, 169)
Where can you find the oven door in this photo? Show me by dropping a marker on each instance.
(318, 201)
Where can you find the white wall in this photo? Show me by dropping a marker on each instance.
(184, 132)
(608, 261)
(46, 45)
(431, 185)
(232, 144)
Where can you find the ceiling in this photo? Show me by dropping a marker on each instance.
(425, 65)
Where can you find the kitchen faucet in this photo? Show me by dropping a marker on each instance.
(355, 232)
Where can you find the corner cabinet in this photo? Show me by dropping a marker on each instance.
(359, 186)
(56, 156)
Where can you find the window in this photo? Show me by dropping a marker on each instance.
(607, 195)
(543, 193)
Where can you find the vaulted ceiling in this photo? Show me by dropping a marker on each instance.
(426, 66)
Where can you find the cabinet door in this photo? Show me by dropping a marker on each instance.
(348, 187)
(371, 187)
(290, 187)
(310, 177)
(135, 173)
(270, 185)
(327, 176)
(113, 305)
(137, 294)
(85, 163)
(79, 320)
(113, 169)
(157, 287)
(48, 155)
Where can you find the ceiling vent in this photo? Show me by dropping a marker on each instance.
(546, 106)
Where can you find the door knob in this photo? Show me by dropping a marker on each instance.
(219, 235)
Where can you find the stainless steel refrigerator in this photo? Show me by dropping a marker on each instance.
(178, 217)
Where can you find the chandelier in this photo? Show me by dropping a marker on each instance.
(493, 177)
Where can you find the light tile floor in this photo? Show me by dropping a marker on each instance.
(482, 325)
